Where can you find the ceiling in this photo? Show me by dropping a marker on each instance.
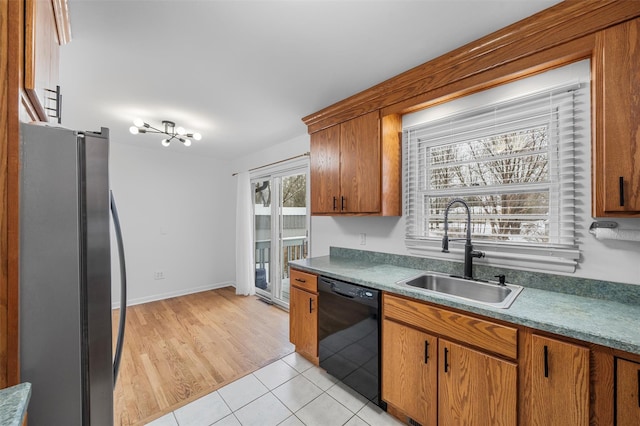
(244, 73)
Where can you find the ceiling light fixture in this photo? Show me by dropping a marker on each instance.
(168, 128)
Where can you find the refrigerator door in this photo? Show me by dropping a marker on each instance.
(65, 299)
(96, 282)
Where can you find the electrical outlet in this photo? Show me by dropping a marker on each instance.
(158, 275)
(363, 239)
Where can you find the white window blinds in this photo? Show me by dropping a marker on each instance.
(512, 162)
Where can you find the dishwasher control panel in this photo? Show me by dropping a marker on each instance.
(346, 289)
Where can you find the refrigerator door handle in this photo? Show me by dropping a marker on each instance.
(123, 289)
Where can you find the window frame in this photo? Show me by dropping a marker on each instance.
(549, 257)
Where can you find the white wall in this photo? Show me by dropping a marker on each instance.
(290, 148)
(603, 260)
(177, 213)
(178, 217)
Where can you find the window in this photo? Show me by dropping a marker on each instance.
(513, 162)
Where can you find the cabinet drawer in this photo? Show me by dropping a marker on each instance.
(303, 280)
(496, 338)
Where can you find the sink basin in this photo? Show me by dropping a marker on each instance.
(485, 292)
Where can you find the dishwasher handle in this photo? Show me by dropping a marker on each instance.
(334, 290)
(346, 290)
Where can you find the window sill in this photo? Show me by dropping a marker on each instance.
(547, 259)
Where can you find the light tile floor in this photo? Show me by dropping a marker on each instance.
(288, 392)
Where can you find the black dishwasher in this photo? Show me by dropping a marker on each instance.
(349, 334)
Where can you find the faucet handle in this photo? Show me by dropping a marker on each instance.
(501, 279)
(445, 244)
(476, 253)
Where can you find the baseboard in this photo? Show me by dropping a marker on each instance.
(168, 295)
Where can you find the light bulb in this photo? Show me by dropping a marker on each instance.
(134, 130)
(165, 142)
(187, 142)
(180, 130)
(197, 136)
(138, 122)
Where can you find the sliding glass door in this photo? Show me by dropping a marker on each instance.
(281, 228)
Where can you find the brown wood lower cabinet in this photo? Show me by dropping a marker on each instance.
(303, 323)
(627, 393)
(443, 366)
(559, 382)
(410, 371)
(303, 314)
(434, 380)
(475, 388)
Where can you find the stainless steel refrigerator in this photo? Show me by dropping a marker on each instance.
(65, 276)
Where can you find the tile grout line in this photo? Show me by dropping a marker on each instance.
(298, 373)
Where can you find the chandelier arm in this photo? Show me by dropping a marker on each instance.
(172, 134)
(148, 126)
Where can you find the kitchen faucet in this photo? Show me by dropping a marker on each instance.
(469, 252)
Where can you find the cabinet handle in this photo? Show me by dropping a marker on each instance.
(621, 187)
(300, 280)
(310, 305)
(426, 351)
(546, 361)
(58, 100)
(638, 388)
(342, 202)
(334, 203)
(446, 360)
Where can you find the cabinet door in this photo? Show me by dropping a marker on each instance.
(41, 60)
(325, 171)
(409, 371)
(475, 388)
(360, 165)
(560, 383)
(617, 148)
(303, 321)
(627, 393)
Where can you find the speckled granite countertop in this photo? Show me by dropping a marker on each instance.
(596, 320)
(13, 404)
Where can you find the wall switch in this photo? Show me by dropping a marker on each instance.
(363, 239)
(158, 275)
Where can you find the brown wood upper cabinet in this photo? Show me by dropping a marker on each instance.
(355, 167)
(46, 29)
(617, 140)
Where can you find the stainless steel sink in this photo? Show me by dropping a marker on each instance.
(486, 292)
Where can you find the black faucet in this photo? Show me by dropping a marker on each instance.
(469, 252)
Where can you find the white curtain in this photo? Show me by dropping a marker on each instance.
(245, 265)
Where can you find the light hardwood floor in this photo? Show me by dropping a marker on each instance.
(179, 349)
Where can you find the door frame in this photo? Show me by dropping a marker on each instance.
(271, 173)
